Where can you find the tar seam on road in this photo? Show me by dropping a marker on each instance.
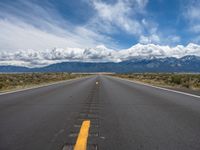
(81, 143)
(161, 88)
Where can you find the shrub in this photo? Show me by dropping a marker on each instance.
(176, 79)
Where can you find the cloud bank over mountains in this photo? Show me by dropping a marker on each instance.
(32, 58)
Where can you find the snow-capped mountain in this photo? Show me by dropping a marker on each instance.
(33, 58)
(188, 63)
(138, 58)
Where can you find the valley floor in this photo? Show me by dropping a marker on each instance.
(189, 83)
(18, 81)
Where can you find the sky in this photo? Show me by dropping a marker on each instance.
(35, 26)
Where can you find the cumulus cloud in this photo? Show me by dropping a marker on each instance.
(129, 17)
(158, 51)
(31, 58)
(122, 14)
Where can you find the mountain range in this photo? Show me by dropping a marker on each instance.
(40, 58)
(189, 63)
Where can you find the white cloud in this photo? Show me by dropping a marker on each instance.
(195, 28)
(197, 39)
(160, 38)
(19, 35)
(26, 25)
(192, 14)
(100, 53)
(149, 39)
(175, 39)
(127, 17)
(122, 14)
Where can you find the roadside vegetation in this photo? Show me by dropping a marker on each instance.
(189, 81)
(25, 80)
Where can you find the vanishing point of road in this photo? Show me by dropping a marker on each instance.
(119, 115)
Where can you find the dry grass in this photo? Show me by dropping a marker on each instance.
(190, 81)
(24, 80)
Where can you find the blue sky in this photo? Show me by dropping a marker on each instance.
(117, 24)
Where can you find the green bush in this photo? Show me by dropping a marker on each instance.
(176, 79)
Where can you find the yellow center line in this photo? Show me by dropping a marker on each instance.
(81, 143)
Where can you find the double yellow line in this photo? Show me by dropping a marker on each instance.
(81, 143)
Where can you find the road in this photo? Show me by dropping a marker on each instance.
(124, 116)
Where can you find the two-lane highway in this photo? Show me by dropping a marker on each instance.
(124, 116)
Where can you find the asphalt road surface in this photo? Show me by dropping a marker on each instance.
(123, 115)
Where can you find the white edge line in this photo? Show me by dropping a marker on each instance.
(40, 86)
(161, 88)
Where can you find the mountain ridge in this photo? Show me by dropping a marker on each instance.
(41, 58)
(190, 63)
